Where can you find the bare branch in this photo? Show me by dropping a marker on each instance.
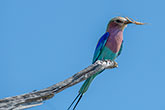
(37, 97)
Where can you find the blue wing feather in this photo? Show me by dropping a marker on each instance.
(100, 45)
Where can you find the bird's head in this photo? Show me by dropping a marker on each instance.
(121, 22)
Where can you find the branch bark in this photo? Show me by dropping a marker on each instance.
(36, 98)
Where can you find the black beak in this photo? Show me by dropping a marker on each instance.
(130, 20)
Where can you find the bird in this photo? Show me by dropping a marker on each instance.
(109, 47)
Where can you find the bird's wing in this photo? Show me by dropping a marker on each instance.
(100, 45)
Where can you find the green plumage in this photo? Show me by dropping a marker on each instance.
(105, 54)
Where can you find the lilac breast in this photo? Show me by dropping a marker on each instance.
(115, 39)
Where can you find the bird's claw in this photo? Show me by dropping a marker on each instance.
(109, 64)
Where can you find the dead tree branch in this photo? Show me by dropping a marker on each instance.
(36, 98)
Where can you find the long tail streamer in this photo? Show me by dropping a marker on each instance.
(79, 96)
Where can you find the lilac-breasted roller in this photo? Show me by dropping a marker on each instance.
(108, 47)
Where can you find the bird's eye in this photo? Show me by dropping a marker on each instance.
(119, 21)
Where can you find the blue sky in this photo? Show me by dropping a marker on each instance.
(46, 41)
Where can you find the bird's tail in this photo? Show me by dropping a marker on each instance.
(80, 96)
(82, 90)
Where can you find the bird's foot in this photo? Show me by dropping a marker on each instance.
(109, 64)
